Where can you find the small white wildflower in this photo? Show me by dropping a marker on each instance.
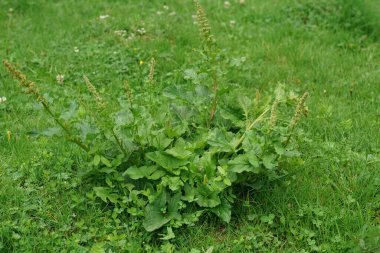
(3, 99)
(120, 32)
(76, 49)
(141, 31)
(232, 23)
(172, 13)
(241, 1)
(166, 7)
(60, 79)
(227, 4)
(103, 16)
(159, 13)
(131, 36)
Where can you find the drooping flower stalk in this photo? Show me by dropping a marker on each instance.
(32, 89)
(210, 51)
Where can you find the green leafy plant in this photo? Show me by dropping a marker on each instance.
(156, 159)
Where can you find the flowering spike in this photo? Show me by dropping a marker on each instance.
(98, 99)
(299, 111)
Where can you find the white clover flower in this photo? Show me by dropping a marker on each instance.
(120, 32)
(60, 79)
(172, 13)
(241, 1)
(103, 16)
(232, 23)
(166, 7)
(159, 13)
(227, 4)
(141, 31)
(76, 49)
(3, 99)
(131, 36)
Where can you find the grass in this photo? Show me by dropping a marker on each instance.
(329, 48)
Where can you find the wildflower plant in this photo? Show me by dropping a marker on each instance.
(156, 160)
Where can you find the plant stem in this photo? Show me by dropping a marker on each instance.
(70, 135)
(250, 127)
(119, 143)
(214, 101)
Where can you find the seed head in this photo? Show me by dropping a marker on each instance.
(300, 109)
(151, 70)
(24, 82)
(204, 26)
(128, 91)
(273, 114)
(99, 101)
(9, 135)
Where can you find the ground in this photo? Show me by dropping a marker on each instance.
(329, 48)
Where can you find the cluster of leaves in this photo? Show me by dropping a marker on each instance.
(158, 158)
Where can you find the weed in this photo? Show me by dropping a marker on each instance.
(177, 168)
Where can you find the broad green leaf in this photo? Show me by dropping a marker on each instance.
(161, 211)
(279, 149)
(232, 116)
(160, 141)
(105, 161)
(69, 113)
(49, 132)
(240, 164)
(269, 161)
(245, 103)
(191, 74)
(157, 174)
(223, 211)
(183, 112)
(221, 139)
(174, 183)
(123, 118)
(155, 214)
(189, 193)
(179, 152)
(166, 161)
(174, 203)
(206, 197)
(86, 129)
(96, 160)
(140, 172)
(254, 161)
(102, 192)
(292, 153)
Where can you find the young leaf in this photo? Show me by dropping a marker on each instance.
(102, 192)
(169, 235)
(70, 113)
(105, 161)
(96, 160)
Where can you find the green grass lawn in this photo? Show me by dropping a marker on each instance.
(330, 48)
